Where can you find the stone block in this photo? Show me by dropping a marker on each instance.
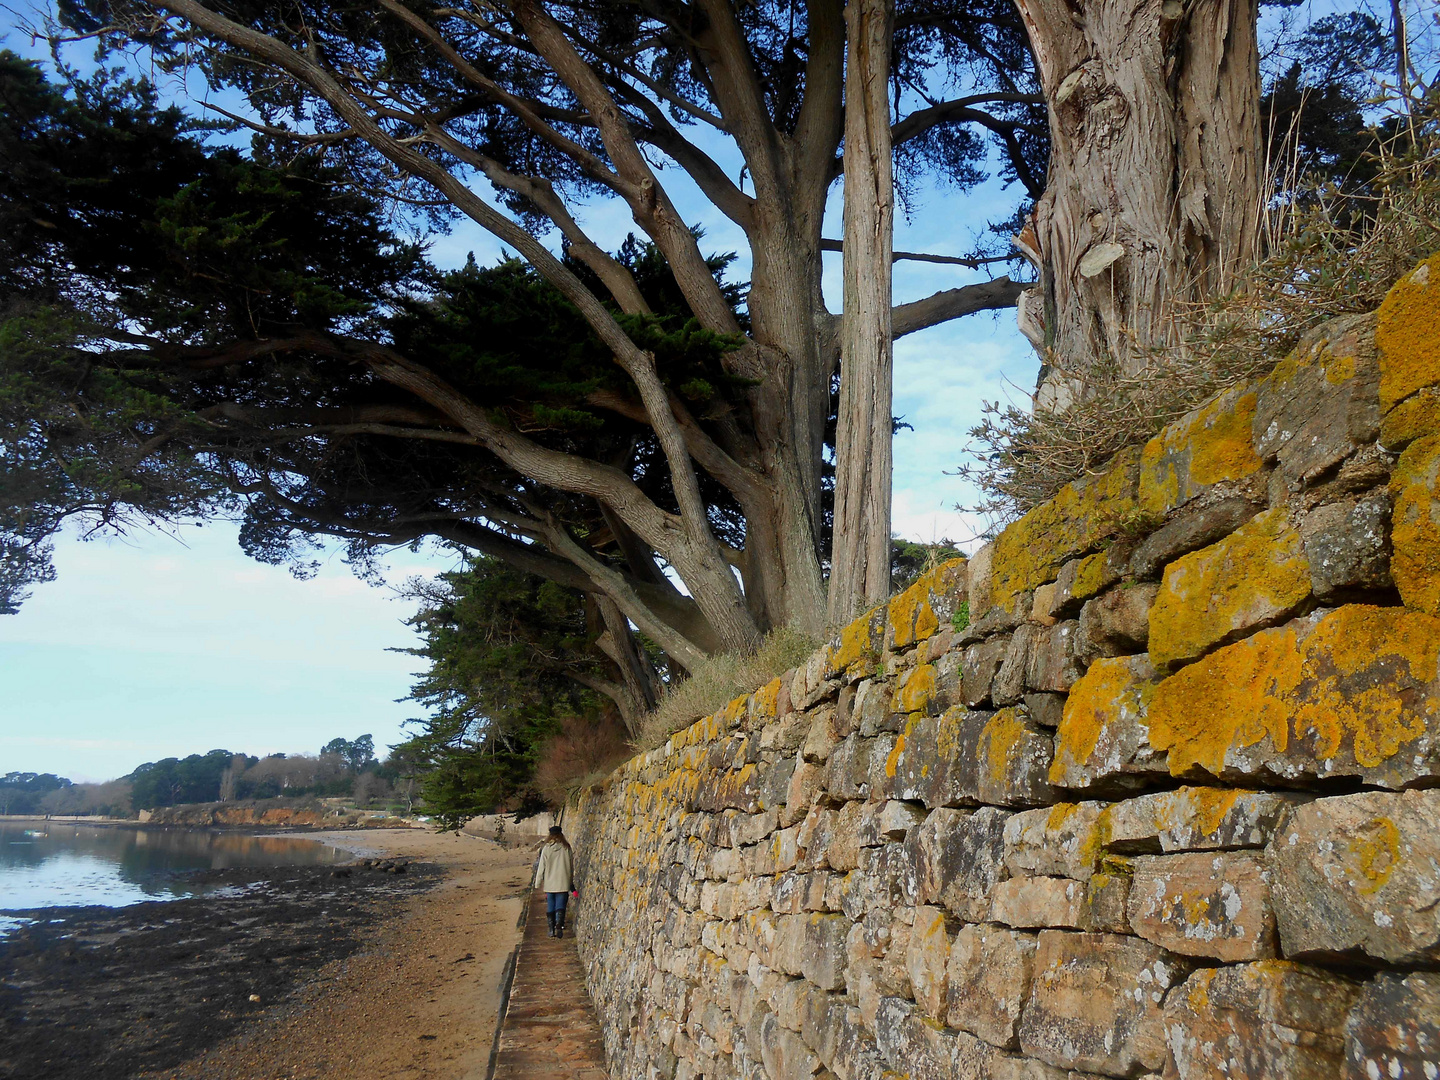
(1414, 418)
(1064, 840)
(988, 982)
(1201, 449)
(1009, 684)
(1117, 623)
(1321, 403)
(871, 709)
(915, 691)
(913, 765)
(1356, 876)
(1211, 904)
(978, 670)
(814, 837)
(843, 852)
(1103, 742)
(1080, 580)
(890, 820)
(1010, 762)
(1096, 1003)
(1033, 903)
(1415, 531)
(752, 828)
(1407, 335)
(1052, 664)
(1031, 551)
(1394, 1029)
(1107, 898)
(784, 1053)
(856, 650)
(921, 610)
(823, 958)
(1347, 546)
(1197, 819)
(805, 784)
(1348, 692)
(955, 859)
(1255, 577)
(1045, 709)
(823, 735)
(911, 1046)
(847, 772)
(1270, 1020)
(925, 960)
(1196, 526)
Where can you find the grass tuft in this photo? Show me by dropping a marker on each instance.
(1332, 251)
(721, 679)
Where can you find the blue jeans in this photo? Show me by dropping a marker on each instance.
(555, 902)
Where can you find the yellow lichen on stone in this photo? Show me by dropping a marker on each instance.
(1414, 418)
(1415, 530)
(859, 644)
(916, 689)
(1078, 519)
(1109, 694)
(912, 613)
(999, 740)
(1257, 574)
(1198, 450)
(1210, 806)
(1091, 576)
(765, 705)
(1407, 335)
(1371, 854)
(1360, 687)
(1226, 700)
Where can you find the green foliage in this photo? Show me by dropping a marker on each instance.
(170, 781)
(22, 792)
(961, 617)
(117, 221)
(358, 754)
(504, 648)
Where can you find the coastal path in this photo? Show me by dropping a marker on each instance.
(549, 1030)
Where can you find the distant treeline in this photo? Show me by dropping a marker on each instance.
(343, 767)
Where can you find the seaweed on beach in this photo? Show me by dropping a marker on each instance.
(123, 992)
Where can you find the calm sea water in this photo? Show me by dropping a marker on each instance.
(54, 864)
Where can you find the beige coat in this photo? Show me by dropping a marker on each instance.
(555, 871)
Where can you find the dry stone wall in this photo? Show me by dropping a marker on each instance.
(1150, 786)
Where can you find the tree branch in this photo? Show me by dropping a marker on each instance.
(953, 303)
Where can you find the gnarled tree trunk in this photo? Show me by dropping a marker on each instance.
(860, 559)
(1153, 195)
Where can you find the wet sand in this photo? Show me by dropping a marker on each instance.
(370, 975)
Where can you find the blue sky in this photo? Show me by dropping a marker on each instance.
(147, 646)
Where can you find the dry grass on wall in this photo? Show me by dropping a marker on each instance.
(1333, 252)
(721, 679)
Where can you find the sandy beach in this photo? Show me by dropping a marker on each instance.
(419, 1002)
(301, 972)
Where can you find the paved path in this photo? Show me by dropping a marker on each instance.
(549, 1030)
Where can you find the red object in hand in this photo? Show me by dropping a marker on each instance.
(575, 893)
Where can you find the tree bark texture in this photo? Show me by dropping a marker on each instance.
(1153, 197)
(860, 560)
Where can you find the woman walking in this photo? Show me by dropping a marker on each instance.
(554, 873)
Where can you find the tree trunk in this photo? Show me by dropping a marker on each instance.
(1153, 196)
(860, 551)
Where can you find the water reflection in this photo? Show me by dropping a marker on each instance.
(56, 864)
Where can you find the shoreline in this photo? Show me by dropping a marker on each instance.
(357, 974)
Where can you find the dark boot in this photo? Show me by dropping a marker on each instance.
(560, 924)
(550, 921)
